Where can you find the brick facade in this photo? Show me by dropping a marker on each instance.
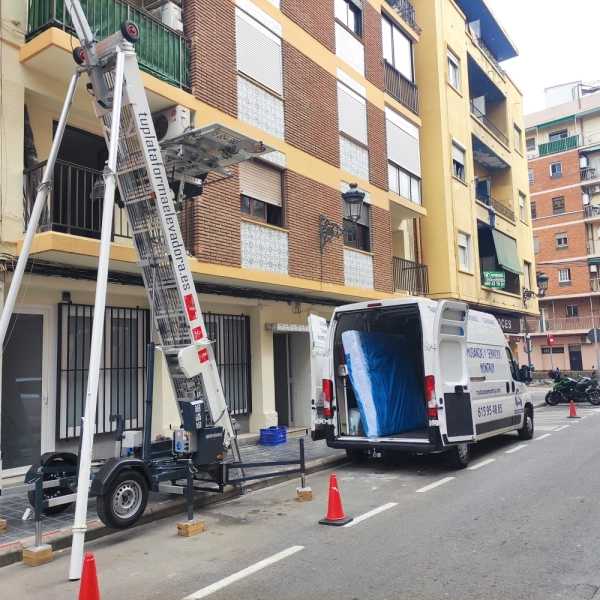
(378, 173)
(315, 17)
(541, 171)
(381, 235)
(210, 27)
(373, 46)
(305, 201)
(311, 117)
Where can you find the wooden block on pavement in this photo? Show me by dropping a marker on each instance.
(304, 494)
(2, 526)
(190, 528)
(37, 555)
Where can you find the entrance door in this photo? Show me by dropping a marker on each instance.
(283, 379)
(25, 427)
(575, 358)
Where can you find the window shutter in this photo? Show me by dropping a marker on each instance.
(258, 53)
(458, 154)
(261, 183)
(403, 143)
(352, 111)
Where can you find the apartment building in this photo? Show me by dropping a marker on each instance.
(563, 148)
(383, 94)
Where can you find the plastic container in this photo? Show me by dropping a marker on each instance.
(272, 436)
(356, 421)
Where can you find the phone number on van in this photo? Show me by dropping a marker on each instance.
(487, 411)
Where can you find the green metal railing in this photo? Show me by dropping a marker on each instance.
(559, 145)
(161, 51)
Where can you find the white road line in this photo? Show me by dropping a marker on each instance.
(543, 436)
(371, 513)
(515, 449)
(434, 485)
(561, 428)
(481, 464)
(243, 573)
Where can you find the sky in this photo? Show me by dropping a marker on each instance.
(557, 40)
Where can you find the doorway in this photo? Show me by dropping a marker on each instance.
(283, 379)
(575, 358)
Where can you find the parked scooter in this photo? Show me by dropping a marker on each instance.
(567, 389)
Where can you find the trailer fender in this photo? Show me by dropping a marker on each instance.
(67, 457)
(112, 467)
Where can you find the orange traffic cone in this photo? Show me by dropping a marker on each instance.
(335, 512)
(573, 412)
(89, 589)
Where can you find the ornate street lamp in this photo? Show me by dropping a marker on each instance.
(353, 199)
(542, 283)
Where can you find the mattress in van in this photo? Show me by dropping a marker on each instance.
(383, 377)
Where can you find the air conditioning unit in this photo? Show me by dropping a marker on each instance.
(594, 189)
(583, 162)
(170, 15)
(171, 122)
(584, 340)
(531, 155)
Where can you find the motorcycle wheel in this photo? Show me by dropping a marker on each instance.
(553, 398)
(593, 396)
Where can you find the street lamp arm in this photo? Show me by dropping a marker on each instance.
(330, 230)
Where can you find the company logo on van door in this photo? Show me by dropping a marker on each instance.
(489, 353)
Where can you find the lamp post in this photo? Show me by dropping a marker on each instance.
(353, 199)
(542, 283)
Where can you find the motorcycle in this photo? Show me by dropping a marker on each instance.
(567, 389)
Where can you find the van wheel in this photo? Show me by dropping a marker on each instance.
(526, 432)
(357, 456)
(458, 456)
(125, 501)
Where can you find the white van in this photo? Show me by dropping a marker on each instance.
(440, 374)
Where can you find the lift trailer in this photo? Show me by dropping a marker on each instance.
(153, 180)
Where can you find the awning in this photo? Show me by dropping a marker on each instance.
(590, 149)
(506, 252)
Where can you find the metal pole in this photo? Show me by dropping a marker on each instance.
(527, 342)
(34, 218)
(38, 507)
(302, 463)
(79, 526)
(595, 336)
(190, 491)
(149, 379)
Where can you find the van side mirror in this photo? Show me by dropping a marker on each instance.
(525, 374)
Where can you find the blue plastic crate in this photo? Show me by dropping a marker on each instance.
(272, 436)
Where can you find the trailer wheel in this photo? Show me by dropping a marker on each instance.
(78, 55)
(130, 31)
(526, 432)
(357, 456)
(125, 501)
(458, 456)
(53, 492)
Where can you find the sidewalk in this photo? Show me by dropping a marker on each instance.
(57, 529)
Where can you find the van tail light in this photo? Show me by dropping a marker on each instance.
(432, 411)
(327, 393)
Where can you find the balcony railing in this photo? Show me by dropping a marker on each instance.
(588, 174)
(485, 49)
(559, 145)
(497, 206)
(566, 324)
(401, 88)
(410, 276)
(161, 51)
(488, 124)
(69, 207)
(407, 11)
(591, 211)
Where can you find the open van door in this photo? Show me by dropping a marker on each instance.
(317, 327)
(451, 371)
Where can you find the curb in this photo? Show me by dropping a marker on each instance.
(96, 529)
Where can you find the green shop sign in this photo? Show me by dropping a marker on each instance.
(494, 279)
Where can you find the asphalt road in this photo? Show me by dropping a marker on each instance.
(519, 523)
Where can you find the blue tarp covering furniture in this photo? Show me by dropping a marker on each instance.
(384, 381)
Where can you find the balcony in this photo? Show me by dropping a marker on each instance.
(488, 125)
(407, 11)
(595, 285)
(491, 56)
(568, 143)
(401, 88)
(589, 174)
(497, 206)
(591, 212)
(593, 247)
(410, 277)
(574, 324)
(161, 51)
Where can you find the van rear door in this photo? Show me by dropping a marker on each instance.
(318, 330)
(451, 371)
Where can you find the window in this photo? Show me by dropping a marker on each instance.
(397, 49)
(458, 161)
(258, 52)
(536, 245)
(261, 192)
(564, 276)
(553, 350)
(518, 139)
(352, 113)
(349, 14)
(360, 237)
(561, 241)
(464, 251)
(572, 310)
(558, 205)
(453, 71)
(555, 170)
(522, 207)
(531, 177)
(558, 135)
(514, 369)
(533, 210)
(403, 144)
(527, 274)
(404, 184)
(530, 144)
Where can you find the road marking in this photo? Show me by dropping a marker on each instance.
(371, 513)
(561, 428)
(515, 449)
(434, 485)
(219, 585)
(481, 464)
(543, 436)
